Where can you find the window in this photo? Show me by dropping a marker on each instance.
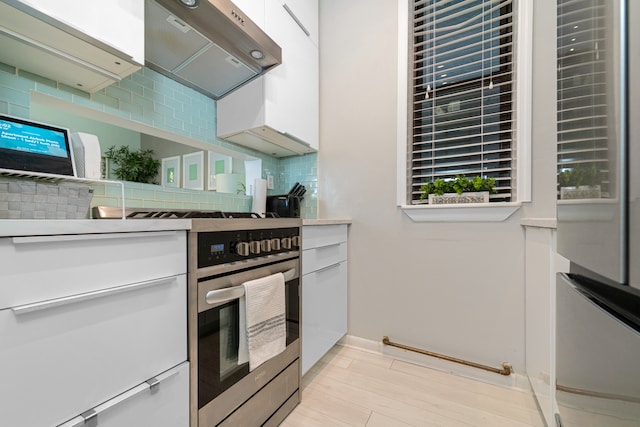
(461, 94)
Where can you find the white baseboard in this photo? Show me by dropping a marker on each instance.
(517, 380)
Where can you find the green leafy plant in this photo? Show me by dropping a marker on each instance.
(460, 184)
(136, 166)
(579, 176)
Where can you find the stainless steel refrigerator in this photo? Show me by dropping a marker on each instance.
(598, 300)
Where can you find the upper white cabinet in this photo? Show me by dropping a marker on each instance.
(306, 12)
(279, 113)
(253, 9)
(88, 47)
(116, 23)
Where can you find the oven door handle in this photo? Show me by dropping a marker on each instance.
(220, 296)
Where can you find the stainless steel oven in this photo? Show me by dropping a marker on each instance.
(223, 255)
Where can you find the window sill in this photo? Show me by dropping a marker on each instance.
(471, 212)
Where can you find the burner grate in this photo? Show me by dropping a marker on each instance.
(102, 212)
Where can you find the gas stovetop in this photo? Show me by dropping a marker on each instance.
(110, 212)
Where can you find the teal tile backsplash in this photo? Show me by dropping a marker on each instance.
(155, 100)
(302, 169)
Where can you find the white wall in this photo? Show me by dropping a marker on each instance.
(453, 288)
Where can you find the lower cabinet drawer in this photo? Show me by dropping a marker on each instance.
(37, 268)
(324, 312)
(161, 401)
(314, 236)
(323, 256)
(61, 357)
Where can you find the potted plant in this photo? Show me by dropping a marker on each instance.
(135, 166)
(458, 190)
(580, 183)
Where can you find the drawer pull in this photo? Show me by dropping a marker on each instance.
(80, 237)
(72, 299)
(154, 383)
(328, 267)
(91, 416)
(330, 245)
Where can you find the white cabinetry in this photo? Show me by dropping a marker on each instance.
(278, 113)
(87, 46)
(324, 290)
(117, 23)
(89, 324)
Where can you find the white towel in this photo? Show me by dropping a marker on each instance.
(262, 320)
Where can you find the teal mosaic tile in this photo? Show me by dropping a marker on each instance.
(152, 95)
(143, 194)
(16, 83)
(134, 87)
(18, 111)
(152, 204)
(144, 103)
(133, 109)
(163, 109)
(118, 93)
(37, 78)
(74, 91)
(106, 100)
(14, 96)
(7, 68)
(53, 91)
(141, 79)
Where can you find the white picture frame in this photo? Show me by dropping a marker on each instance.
(170, 172)
(217, 163)
(192, 173)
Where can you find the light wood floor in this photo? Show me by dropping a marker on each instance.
(351, 387)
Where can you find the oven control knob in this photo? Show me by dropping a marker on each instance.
(265, 245)
(242, 249)
(286, 242)
(296, 240)
(275, 244)
(255, 246)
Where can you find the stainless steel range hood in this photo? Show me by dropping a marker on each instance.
(210, 46)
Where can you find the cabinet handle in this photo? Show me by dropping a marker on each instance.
(328, 267)
(72, 299)
(295, 18)
(91, 416)
(330, 245)
(154, 383)
(80, 237)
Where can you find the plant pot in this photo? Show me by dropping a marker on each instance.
(455, 198)
(581, 192)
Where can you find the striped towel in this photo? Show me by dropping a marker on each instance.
(264, 331)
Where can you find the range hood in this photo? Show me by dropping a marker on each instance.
(209, 46)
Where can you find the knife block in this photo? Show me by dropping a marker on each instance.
(285, 206)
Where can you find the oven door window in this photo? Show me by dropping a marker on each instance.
(218, 340)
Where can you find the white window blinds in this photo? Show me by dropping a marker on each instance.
(583, 98)
(461, 93)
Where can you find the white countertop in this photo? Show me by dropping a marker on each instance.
(326, 221)
(36, 227)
